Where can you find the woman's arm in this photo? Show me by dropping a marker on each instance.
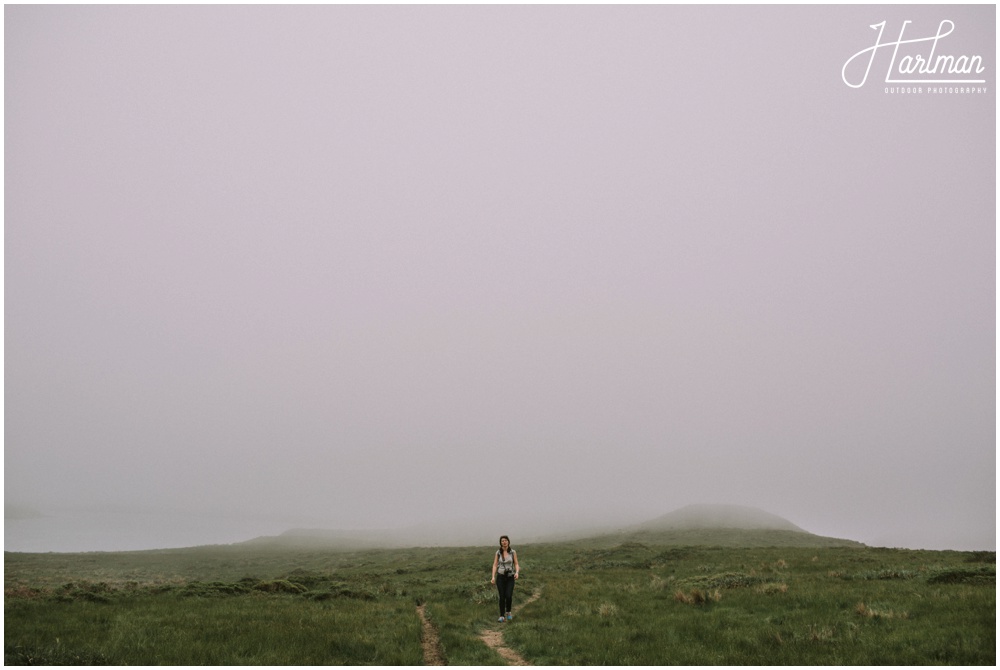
(517, 568)
(493, 579)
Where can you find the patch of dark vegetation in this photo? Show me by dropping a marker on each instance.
(672, 555)
(728, 580)
(16, 654)
(279, 586)
(157, 589)
(24, 592)
(308, 578)
(885, 573)
(320, 596)
(982, 557)
(99, 592)
(697, 597)
(315, 586)
(984, 575)
(215, 589)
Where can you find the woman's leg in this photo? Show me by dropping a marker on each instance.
(501, 591)
(509, 593)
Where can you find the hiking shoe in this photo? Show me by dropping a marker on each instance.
(501, 620)
(510, 617)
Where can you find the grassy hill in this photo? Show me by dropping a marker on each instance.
(726, 526)
(709, 596)
(720, 516)
(707, 525)
(730, 537)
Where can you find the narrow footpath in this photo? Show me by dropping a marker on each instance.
(493, 636)
(429, 639)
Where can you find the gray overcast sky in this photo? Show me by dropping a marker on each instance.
(386, 265)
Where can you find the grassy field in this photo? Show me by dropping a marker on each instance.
(605, 602)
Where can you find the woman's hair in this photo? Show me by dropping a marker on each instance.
(502, 538)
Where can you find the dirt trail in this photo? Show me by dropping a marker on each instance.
(429, 639)
(493, 637)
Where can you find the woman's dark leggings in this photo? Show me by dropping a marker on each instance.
(505, 590)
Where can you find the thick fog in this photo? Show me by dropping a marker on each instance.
(370, 267)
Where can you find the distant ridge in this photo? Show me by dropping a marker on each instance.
(720, 516)
(693, 525)
(728, 526)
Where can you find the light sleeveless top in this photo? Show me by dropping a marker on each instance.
(505, 566)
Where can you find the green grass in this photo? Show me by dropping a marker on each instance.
(248, 629)
(604, 602)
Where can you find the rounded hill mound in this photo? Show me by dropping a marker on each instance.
(695, 517)
(729, 526)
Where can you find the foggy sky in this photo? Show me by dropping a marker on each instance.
(386, 265)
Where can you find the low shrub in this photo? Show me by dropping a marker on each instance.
(94, 592)
(982, 557)
(984, 575)
(214, 589)
(26, 592)
(771, 588)
(878, 612)
(607, 610)
(887, 573)
(308, 578)
(279, 586)
(697, 597)
(729, 580)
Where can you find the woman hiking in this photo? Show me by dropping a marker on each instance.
(505, 570)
